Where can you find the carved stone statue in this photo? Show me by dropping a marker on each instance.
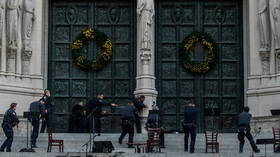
(145, 14)
(275, 22)
(264, 29)
(12, 25)
(2, 13)
(27, 24)
(13, 14)
(27, 29)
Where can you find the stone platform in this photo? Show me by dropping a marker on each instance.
(174, 146)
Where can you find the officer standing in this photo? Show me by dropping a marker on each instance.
(95, 107)
(37, 108)
(127, 124)
(189, 125)
(78, 118)
(139, 105)
(244, 129)
(47, 120)
(10, 120)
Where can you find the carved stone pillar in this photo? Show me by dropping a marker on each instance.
(27, 29)
(145, 53)
(277, 56)
(26, 56)
(11, 60)
(265, 62)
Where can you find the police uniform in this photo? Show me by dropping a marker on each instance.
(9, 121)
(47, 121)
(139, 105)
(189, 125)
(95, 106)
(244, 129)
(78, 119)
(36, 110)
(127, 124)
(153, 121)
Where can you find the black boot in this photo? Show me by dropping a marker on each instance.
(241, 145)
(254, 147)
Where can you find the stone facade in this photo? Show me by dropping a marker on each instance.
(23, 70)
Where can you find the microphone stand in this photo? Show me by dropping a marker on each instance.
(91, 132)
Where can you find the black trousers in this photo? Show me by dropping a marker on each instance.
(46, 123)
(35, 121)
(138, 123)
(245, 132)
(9, 133)
(192, 132)
(127, 128)
(97, 125)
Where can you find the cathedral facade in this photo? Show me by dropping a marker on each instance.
(37, 52)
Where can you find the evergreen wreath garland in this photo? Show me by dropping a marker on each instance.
(188, 45)
(83, 39)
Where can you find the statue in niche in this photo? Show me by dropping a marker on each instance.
(2, 13)
(264, 30)
(27, 27)
(145, 14)
(275, 22)
(13, 14)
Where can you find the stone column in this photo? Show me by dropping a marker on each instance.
(264, 35)
(2, 17)
(265, 62)
(146, 53)
(27, 29)
(12, 25)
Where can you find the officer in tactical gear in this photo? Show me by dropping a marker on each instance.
(244, 129)
(127, 124)
(37, 109)
(95, 107)
(10, 120)
(153, 121)
(78, 118)
(139, 105)
(189, 125)
(47, 116)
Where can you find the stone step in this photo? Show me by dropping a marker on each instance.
(174, 142)
(168, 154)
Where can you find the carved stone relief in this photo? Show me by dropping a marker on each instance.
(264, 30)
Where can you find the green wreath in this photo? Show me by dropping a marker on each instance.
(188, 45)
(83, 39)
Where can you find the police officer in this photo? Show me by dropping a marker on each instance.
(189, 125)
(153, 121)
(95, 107)
(37, 108)
(127, 124)
(78, 117)
(10, 120)
(244, 129)
(139, 105)
(47, 116)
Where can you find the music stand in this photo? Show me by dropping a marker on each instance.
(27, 115)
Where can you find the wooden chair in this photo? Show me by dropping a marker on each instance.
(153, 140)
(276, 137)
(54, 142)
(212, 141)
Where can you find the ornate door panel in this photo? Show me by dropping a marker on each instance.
(68, 83)
(221, 89)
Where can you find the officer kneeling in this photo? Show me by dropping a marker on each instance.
(127, 124)
(10, 120)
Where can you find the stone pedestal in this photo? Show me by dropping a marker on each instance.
(265, 123)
